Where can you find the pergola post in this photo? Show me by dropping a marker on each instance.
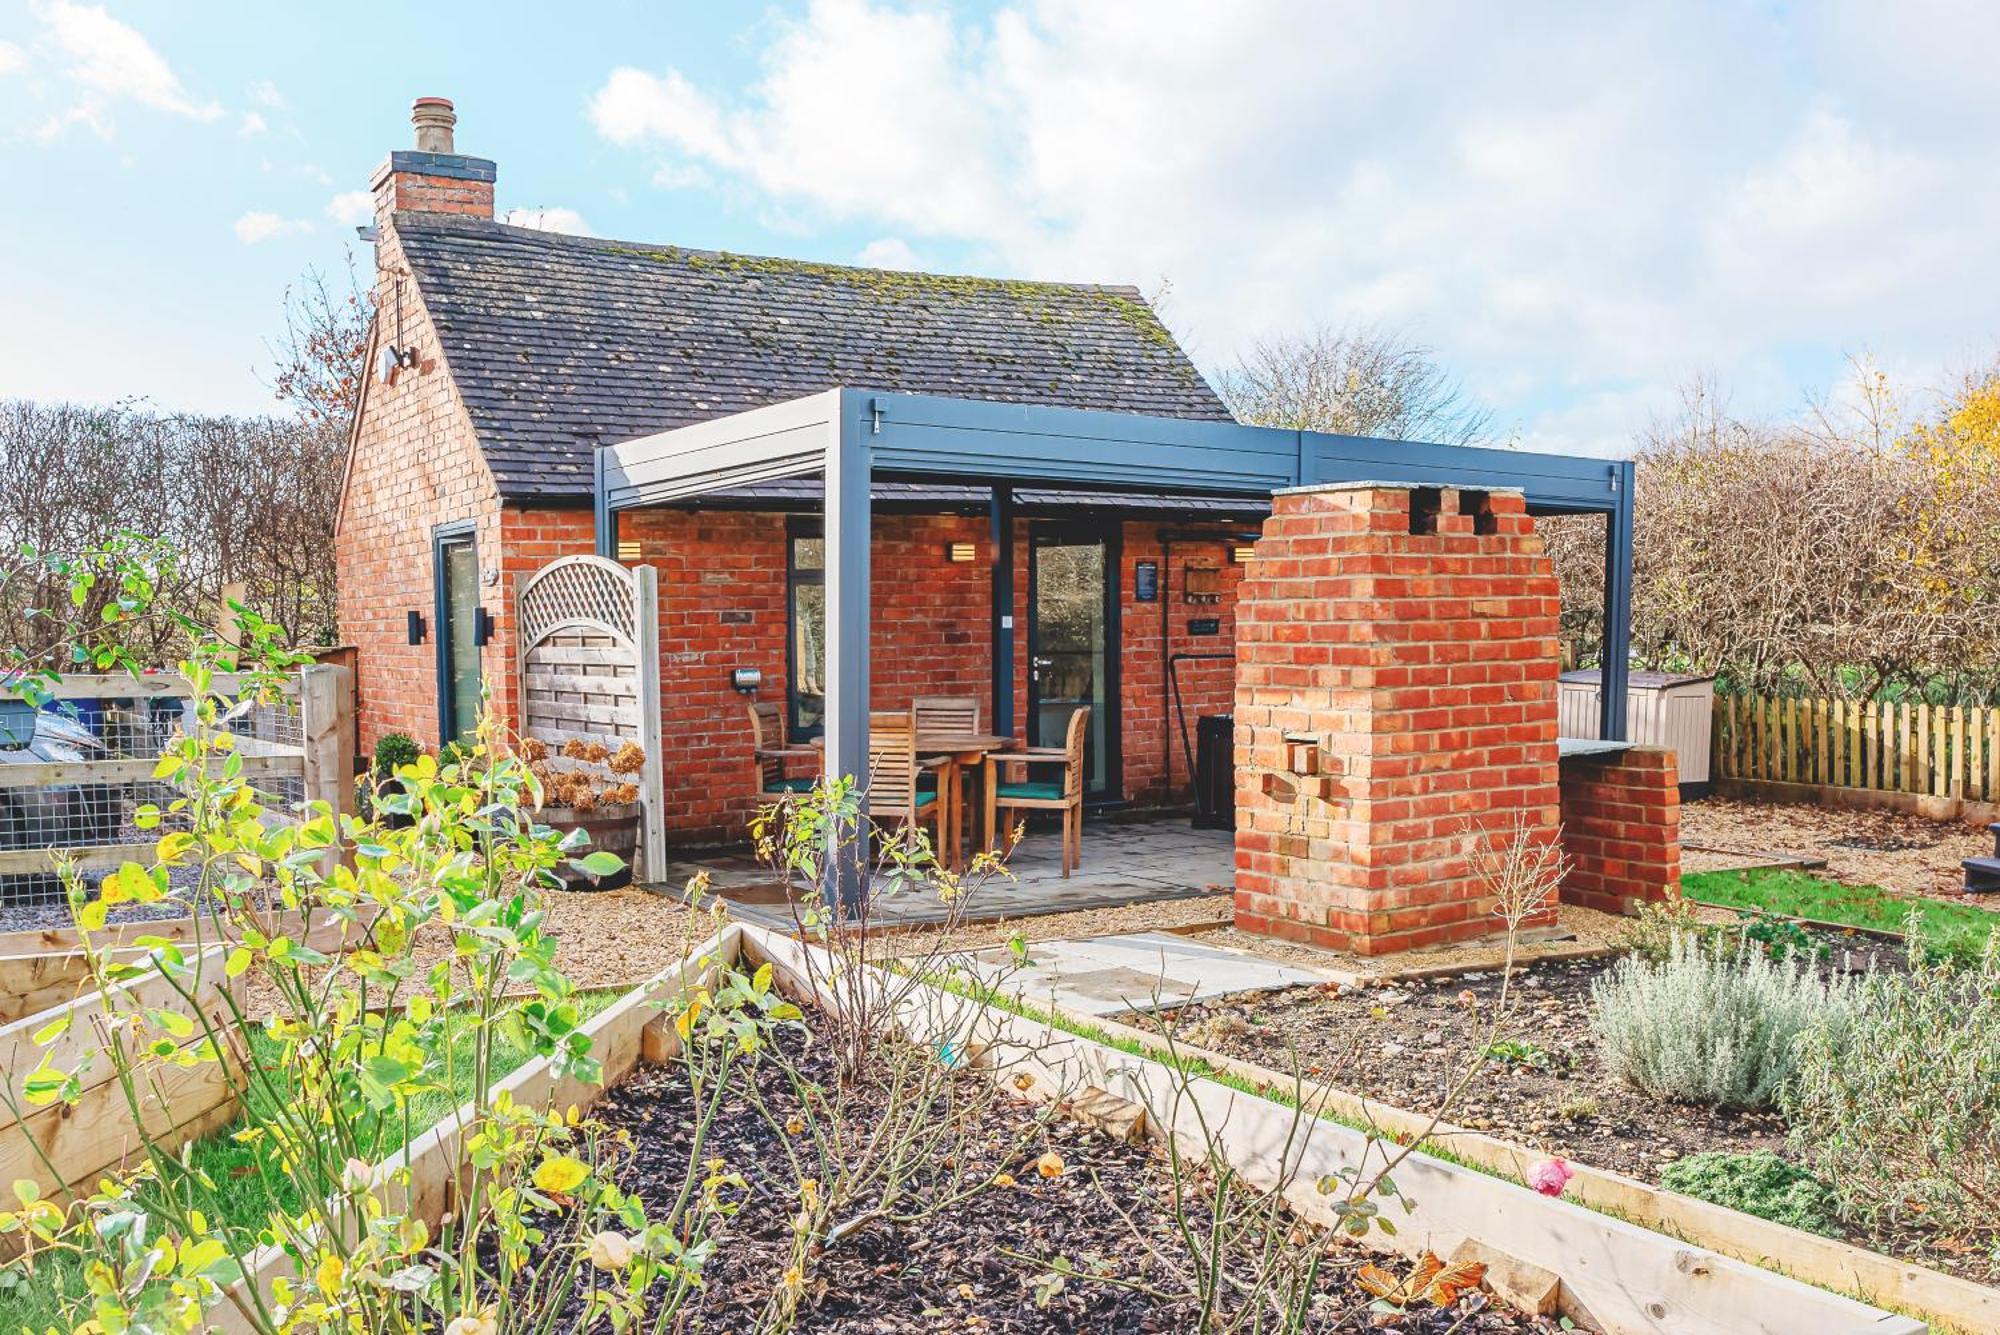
(1001, 532)
(606, 518)
(847, 615)
(1613, 675)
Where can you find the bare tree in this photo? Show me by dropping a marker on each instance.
(235, 500)
(319, 357)
(1353, 381)
(1855, 549)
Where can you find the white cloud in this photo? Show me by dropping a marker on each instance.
(351, 208)
(889, 252)
(12, 58)
(250, 123)
(256, 227)
(1575, 213)
(107, 61)
(548, 220)
(265, 94)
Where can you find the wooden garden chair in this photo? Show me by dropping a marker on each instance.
(901, 794)
(948, 716)
(1064, 794)
(772, 757)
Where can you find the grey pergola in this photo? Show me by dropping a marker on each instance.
(853, 436)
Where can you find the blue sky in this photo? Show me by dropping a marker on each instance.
(1578, 208)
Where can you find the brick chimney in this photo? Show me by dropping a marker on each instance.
(1395, 702)
(433, 177)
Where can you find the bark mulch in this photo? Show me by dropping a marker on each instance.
(949, 1271)
(1405, 1043)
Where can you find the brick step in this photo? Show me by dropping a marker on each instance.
(1982, 875)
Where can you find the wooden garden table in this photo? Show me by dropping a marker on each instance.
(960, 752)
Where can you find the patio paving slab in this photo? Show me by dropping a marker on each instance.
(1104, 975)
(1136, 862)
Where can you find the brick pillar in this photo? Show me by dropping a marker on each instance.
(1395, 697)
(1621, 828)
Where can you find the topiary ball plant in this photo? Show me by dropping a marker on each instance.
(394, 749)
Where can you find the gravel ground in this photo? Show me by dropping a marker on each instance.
(1908, 854)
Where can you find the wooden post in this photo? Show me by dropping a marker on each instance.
(326, 723)
(646, 619)
(1958, 785)
(1992, 754)
(1942, 760)
(1822, 758)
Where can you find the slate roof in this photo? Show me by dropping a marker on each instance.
(560, 343)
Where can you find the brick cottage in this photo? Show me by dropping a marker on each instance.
(509, 364)
(517, 351)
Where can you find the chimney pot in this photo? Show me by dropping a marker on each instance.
(433, 118)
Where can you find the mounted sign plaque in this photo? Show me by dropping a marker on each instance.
(1146, 582)
(1205, 626)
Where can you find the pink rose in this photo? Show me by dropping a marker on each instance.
(1550, 1176)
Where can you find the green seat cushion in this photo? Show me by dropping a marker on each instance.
(1041, 792)
(926, 791)
(790, 786)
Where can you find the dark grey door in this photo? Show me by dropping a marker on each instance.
(459, 679)
(1073, 648)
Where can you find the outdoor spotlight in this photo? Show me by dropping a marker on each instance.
(414, 624)
(1242, 552)
(747, 680)
(962, 552)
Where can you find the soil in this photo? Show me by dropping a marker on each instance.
(951, 1270)
(1897, 851)
(1405, 1042)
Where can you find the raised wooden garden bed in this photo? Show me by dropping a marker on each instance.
(1613, 1274)
(75, 1143)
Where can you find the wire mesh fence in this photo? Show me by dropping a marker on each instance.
(74, 776)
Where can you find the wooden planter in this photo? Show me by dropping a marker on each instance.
(612, 829)
(98, 1133)
(1616, 1276)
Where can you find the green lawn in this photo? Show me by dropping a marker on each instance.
(244, 1196)
(1959, 930)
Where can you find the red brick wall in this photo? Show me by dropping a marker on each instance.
(1156, 771)
(1395, 698)
(1621, 828)
(413, 465)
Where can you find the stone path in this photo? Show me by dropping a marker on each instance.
(1103, 975)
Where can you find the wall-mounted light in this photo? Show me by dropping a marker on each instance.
(482, 627)
(414, 625)
(747, 680)
(1242, 552)
(963, 552)
(629, 549)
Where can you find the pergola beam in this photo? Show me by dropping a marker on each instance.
(851, 435)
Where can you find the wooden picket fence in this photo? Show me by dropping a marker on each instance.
(1945, 751)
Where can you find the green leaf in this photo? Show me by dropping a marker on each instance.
(239, 960)
(599, 863)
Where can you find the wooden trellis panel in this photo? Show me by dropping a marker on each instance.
(590, 670)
